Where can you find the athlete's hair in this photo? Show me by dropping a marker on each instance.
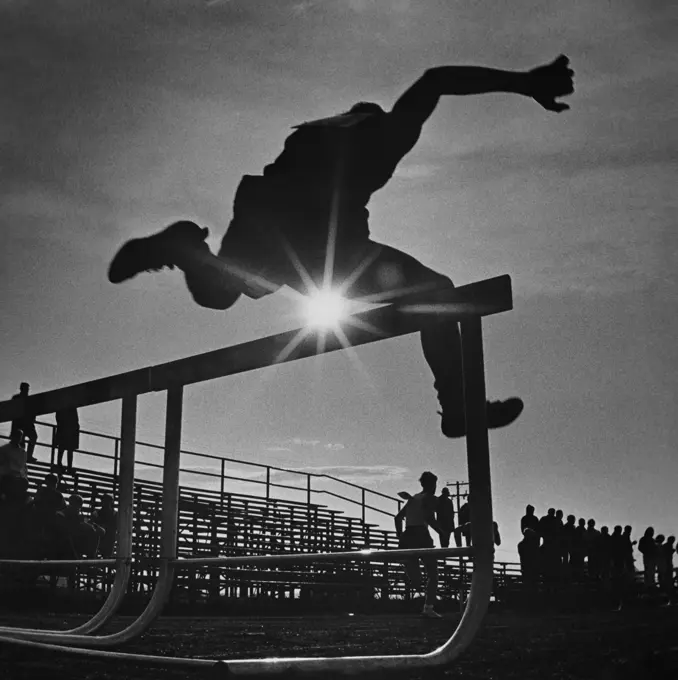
(366, 107)
(427, 479)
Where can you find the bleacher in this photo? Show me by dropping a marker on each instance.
(216, 522)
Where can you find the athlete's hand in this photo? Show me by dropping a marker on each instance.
(546, 83)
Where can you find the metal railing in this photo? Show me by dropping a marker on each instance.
(220, 479)
(307, 487)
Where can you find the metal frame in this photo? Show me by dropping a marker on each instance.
(467, 304)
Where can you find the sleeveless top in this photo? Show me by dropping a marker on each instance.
(345, 157)
(418, 508)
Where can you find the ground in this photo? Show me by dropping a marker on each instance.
(638, 642)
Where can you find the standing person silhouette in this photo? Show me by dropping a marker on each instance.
(419, 513)
(445, 516)
(25, 424)
(304, 222)
(67, 436)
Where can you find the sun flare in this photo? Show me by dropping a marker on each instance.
(325, 309)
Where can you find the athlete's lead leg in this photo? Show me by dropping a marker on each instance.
(380, 273)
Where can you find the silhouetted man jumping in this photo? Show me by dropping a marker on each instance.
(306, 220)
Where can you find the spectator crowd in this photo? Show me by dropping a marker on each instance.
(53, 524)
(554, 549)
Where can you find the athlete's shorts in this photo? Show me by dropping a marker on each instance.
(277, 225)
(415, 537)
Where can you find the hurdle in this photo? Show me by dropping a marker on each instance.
(467, 304)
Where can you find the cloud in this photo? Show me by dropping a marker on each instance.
(410, 171)
(334, 446)
(300, 442)
(359, 473)
(511, 158)
(244, 472)
(362, 6)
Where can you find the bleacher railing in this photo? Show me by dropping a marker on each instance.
(263, 480)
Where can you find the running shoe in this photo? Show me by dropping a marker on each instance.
(499, 414)
(153, 253)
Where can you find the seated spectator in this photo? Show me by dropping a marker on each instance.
(84, 537)
(48, 502)
(26, 423)
(67, 436)
(13, 457)
(648, 549)
(107, 518)
(14, 492)
(529, 520)
(528, 550)
(16, 512)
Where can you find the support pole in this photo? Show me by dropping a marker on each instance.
(128, 432)
(477, 440)
(171, 464)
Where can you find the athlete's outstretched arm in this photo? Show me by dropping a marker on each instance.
(543, 84)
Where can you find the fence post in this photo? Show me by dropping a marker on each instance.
(116, 456)
(308, 489)
(268, 482)
(221, 488)
(462, 584)
(363, 504)
(53, 447)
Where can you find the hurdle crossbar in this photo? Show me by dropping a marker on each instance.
(477, 299)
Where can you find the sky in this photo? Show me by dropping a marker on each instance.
(118, 118)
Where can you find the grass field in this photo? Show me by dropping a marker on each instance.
(637, 643)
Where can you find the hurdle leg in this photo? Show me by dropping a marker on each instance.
(128, 431)
(477, 440)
